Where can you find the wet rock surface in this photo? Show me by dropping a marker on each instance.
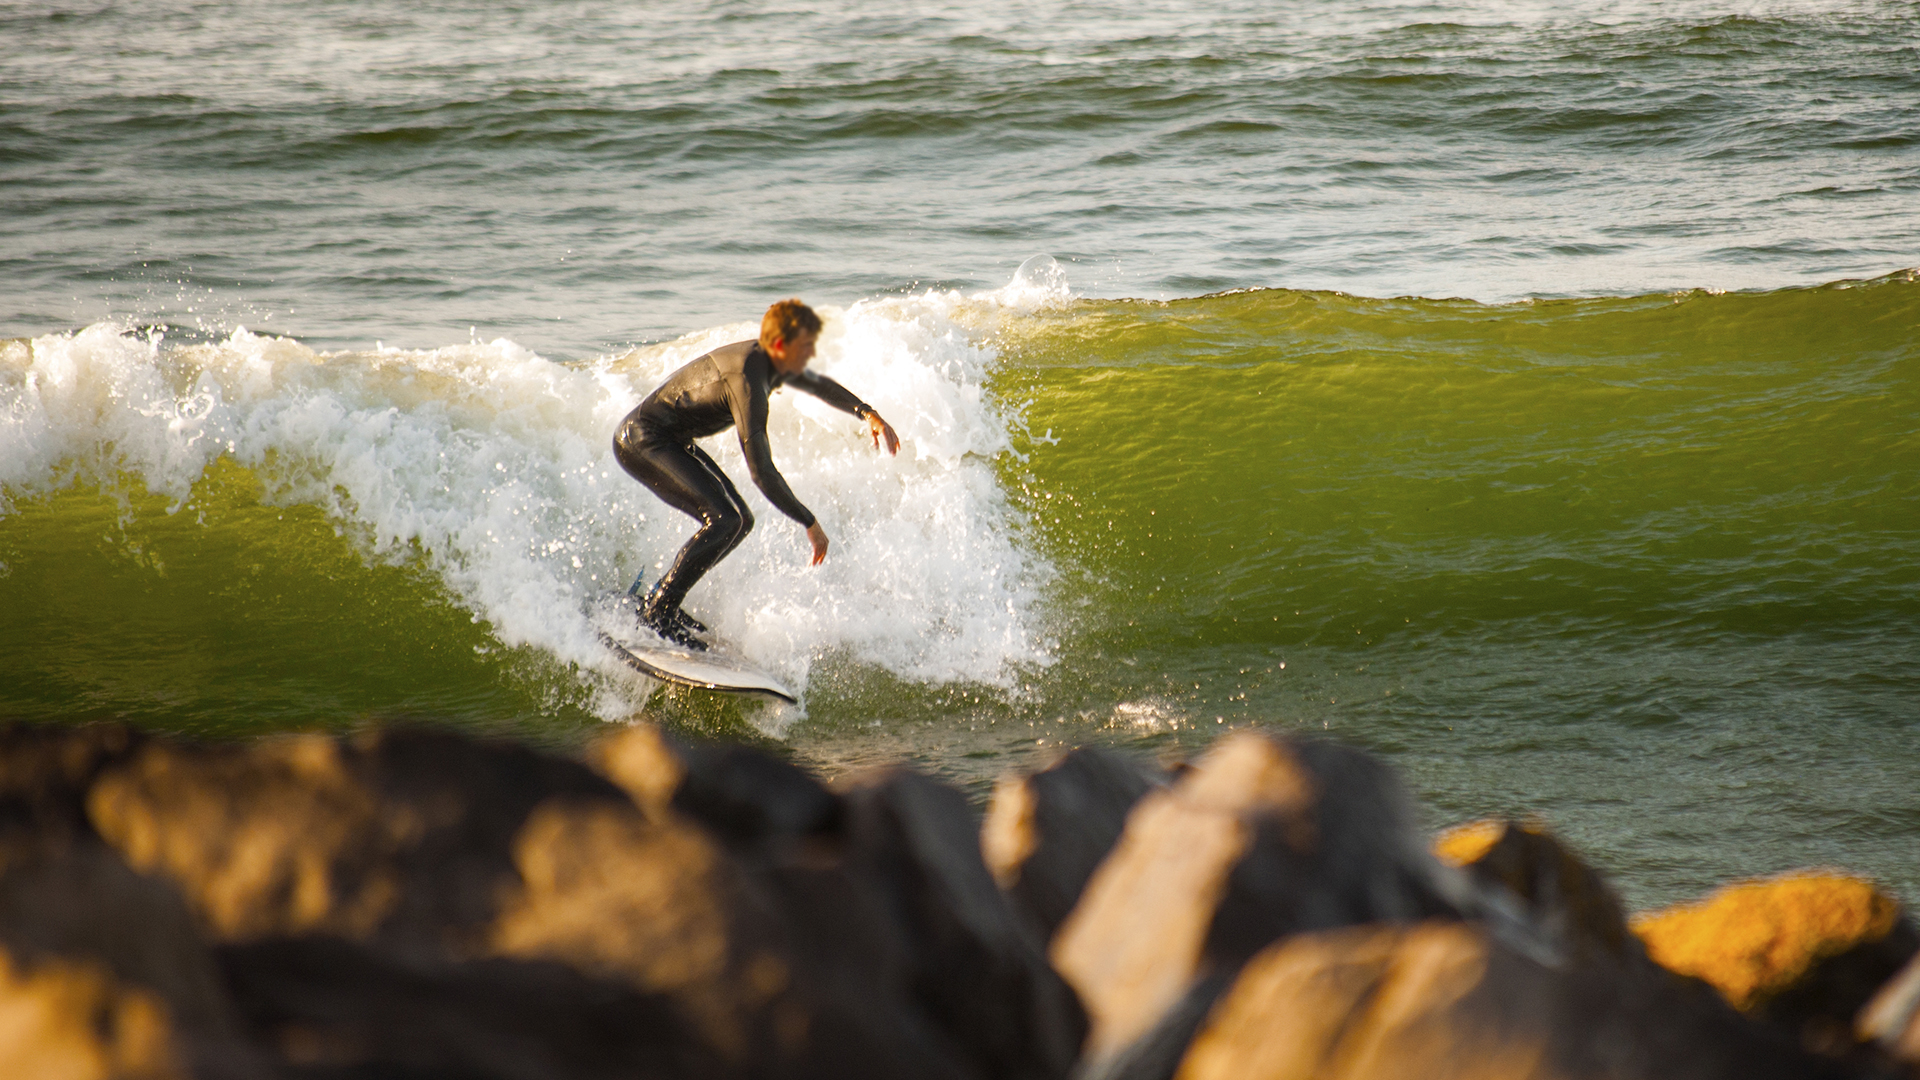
(414, 903)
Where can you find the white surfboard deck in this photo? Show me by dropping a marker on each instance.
(705, 670)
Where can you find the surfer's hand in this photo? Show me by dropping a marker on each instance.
(819, 537)
(883, 430)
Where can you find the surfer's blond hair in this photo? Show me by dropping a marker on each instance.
(785, 321)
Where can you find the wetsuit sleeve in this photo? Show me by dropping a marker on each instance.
(830, 392)
(749, 400)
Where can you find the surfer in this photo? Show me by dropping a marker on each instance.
(727, 387)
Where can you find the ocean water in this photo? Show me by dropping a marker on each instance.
(1529, 392)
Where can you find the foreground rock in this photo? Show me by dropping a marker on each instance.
(973, 965)
(418, 904)
(371, 899)
(103, 974)
(883, 884)
(415, 903)
(1569, 903)
(1045, 834)
(1804, 952)
(1801, 953)
(1265, 838)
(1443, 1000)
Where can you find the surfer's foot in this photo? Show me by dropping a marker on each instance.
(680, 617)
(669, 626)
(689, 623)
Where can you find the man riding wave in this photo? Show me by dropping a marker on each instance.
(727, 387)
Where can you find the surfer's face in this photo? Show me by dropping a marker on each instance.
(791, 356)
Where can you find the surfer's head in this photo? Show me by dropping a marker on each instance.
(788, 331)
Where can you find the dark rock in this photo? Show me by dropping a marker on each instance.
(1443, 999)
(1046, 833)
(103, 973)
(972, 963)
(333, 1007)
(1822, 1004)
(1267, 837)
(1572, 905)
(446, 865)
(751, 800)
(883, 884)
(46, 771)
(415, 904)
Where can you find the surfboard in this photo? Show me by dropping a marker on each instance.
(706, 670)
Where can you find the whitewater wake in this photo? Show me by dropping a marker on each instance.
(490, 467)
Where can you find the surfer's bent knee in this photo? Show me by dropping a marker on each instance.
(730, 519)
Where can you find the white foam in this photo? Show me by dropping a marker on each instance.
(492, 467)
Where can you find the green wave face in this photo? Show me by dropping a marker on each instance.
(224, 616)
(1649, 567)
(1280, 468)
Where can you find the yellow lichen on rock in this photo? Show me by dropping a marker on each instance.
(606, 892)
(1751, 940)
(644, 764)
(68, 1020)
(1463, 845)
(278, 840)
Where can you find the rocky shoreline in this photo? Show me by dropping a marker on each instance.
(415, 903)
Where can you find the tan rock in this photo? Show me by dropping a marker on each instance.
(72, 1019)
(279, 839)
(1464, 844)
(1443, 1000)
(646, 764)
(1266, 837)
(611, 894)
(1891, 1018)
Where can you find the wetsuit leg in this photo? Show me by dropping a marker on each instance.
(685, 478)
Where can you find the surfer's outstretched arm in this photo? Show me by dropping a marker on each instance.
(831, 392)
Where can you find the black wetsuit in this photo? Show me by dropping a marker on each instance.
(727, 387)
